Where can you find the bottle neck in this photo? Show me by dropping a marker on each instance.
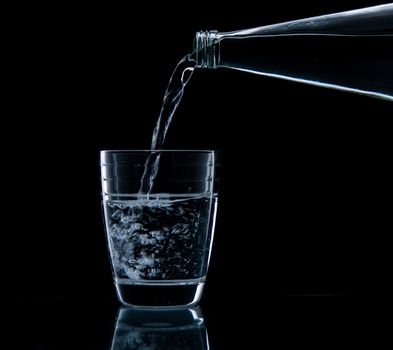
(207, 49)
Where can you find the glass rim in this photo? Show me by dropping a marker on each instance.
(158, 150)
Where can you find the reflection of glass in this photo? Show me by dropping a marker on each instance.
(152, 329)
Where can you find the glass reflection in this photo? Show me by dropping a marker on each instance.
(152, 329)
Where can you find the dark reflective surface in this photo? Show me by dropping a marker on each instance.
(62, 323)
(70, 323)
(150, 329)
(73, 323)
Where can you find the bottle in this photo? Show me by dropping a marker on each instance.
(350, 51)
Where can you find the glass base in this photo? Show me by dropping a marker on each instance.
(163, 295)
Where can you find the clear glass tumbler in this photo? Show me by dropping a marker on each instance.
(160, 234)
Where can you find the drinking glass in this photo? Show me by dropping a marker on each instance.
(159, 212)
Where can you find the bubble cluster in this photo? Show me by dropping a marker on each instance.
(157, 239)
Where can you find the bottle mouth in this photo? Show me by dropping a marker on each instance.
(207, 49)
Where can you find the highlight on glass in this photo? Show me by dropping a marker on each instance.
(159, 213)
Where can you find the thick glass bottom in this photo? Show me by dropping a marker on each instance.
(160, 294)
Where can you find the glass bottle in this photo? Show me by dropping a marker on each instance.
(350, 51)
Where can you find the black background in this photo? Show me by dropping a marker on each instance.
(305, 175)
